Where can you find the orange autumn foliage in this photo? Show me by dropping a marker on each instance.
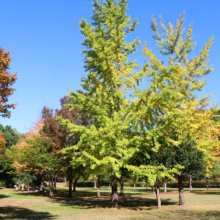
(6, 80)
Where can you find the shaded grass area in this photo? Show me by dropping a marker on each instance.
(13, 212)
(136, 204)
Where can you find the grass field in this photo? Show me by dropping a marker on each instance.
(136, 204)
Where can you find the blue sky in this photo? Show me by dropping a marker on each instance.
(44, 39)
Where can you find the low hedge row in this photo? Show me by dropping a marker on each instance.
(86, 184)
(201, 183)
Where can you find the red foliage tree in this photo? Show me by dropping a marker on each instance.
(6, 80)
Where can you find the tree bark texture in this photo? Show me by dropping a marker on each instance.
(165, 187)
(94, 183)
(156, 192)
(114, 192)
(158, 198)
(190, 183)
(181, 192)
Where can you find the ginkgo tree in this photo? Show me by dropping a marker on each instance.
(167, 111)
(104, 143)
(171, 105)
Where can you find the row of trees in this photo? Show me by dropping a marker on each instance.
(114, 129)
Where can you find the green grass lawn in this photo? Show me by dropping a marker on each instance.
(136, 204)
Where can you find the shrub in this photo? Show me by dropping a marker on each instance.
(2, 183)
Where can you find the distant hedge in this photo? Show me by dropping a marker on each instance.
(86, 184)
(174, 184)
(201, 183)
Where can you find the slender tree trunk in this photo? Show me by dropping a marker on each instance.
(114, 192)
(134, 186)
(190, 183)
(156, 192)
(70, 193)
(94, 183)
(51, 192)
(28, 186)
(98, 186)
(122, 189)
(98, 191)
(55, 182)
(42, 175)
(207, 183)
(74, 186)
(158, 198)
(70, 177)
(181, 192)
(51, 187)
(165, 187)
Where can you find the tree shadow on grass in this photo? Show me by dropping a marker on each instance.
(12, 212)
(2, 196)
(128, 202)
(61, 194)
(187, 214)
(206, 192)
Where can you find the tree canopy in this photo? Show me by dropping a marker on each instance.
(6, 81)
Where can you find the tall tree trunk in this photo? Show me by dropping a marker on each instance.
(165, 187)
(114, 192)
(181, 192)
(207, 183)
(51, 186)
(75, 182)
(156, 192)
(42, 175)
(28, 186)
(134, 186)
(158, 198)
(190, 183)
(51, 192)
(55, 182)
(122, 189)
(98, 186)
(94, 183)
(70, 177)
